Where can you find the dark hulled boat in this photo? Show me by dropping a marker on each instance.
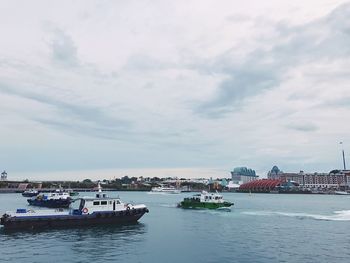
(58, 199)
(99, 210)
(30, 193)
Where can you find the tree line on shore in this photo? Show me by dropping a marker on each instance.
(124, 183)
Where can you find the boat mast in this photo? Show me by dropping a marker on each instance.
(343, 156)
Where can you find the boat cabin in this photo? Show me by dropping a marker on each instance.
(207, 197)
(100, 203)
(53, 196)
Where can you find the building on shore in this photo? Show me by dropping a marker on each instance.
(3, 176)
(242, 175)
(275, 173)
(260, 186)
(335, 179)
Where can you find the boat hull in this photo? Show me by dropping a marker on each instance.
(103, 218)
(204, 205)
(29, 194)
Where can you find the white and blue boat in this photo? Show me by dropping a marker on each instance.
(58, 199)
(98, 210)
(30, 193)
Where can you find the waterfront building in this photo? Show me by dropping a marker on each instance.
(260, 186)
(332, 180)
(241, 175)
(275, 173)
(3, 176)
(232, 186)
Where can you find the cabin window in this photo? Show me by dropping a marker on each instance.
(97, 203)
(118, 202)
(110, 202)
(103, 202)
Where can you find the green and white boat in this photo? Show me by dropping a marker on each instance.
(205, 200)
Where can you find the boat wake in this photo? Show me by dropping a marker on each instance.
(342, 215)
(168, 205)
(159, 193)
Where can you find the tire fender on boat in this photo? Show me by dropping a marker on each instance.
(85, 210)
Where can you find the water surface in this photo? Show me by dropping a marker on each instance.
(260, 228)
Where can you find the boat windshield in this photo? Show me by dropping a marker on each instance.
(82, 204)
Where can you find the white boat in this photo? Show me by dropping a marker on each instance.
(163, 189)
(57, 199)
(341, 193)
(30, 193)
(98, 210)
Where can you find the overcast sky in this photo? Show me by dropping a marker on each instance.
(186, 88)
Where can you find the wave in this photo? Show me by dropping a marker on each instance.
(342, 215)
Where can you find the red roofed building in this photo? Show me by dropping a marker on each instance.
(262, 185)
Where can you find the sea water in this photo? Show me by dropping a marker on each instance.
(260, 228)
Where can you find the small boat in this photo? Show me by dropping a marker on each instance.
(72, 192)
(98, 210)
(341, 193)
(57, 199)
(163, 189)
(205, 200)
(30, 193)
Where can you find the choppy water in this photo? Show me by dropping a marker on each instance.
(260, 228)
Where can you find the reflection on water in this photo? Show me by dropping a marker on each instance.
(74, 244)
(101, 229)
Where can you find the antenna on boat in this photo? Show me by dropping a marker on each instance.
(99, 187)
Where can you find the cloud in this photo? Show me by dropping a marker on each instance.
(303, 127)
(126, 86)
(83, 119)
(63, 49)
(241, 84)
(322, 40)
(337, 103)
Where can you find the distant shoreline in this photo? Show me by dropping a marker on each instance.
(16, 191)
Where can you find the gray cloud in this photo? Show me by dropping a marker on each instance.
(321, 40)
(119, 88)
(146, 63)
(63, 49)
(85, 119)
(336, 103)
(303, 127)
(236, 88)
(77, 118)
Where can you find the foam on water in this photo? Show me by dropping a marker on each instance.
(169, 205)
(342, 215)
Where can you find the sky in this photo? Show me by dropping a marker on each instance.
(103, 89)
